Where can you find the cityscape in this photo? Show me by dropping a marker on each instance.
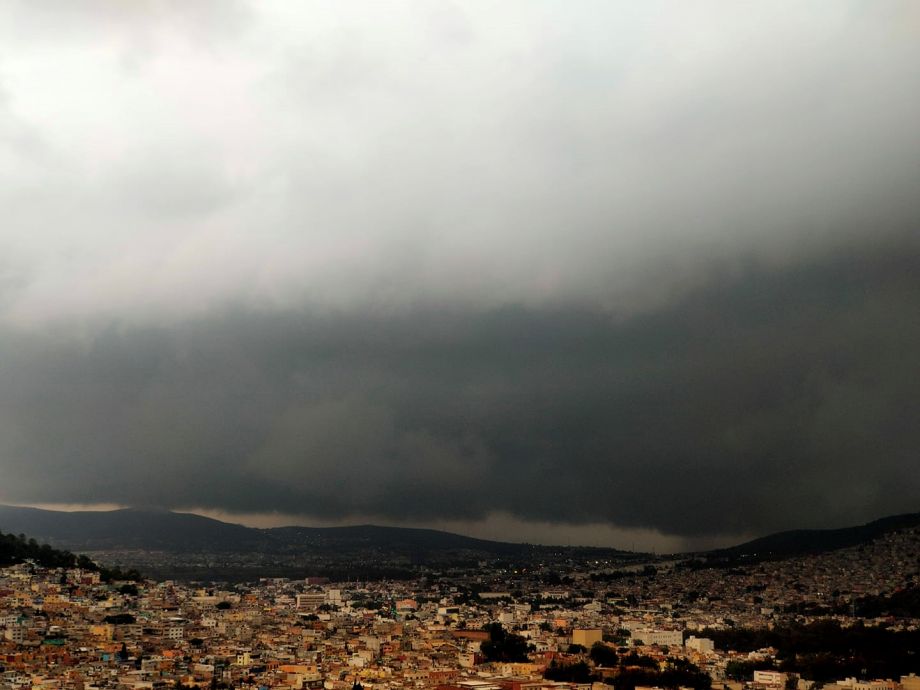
(847, 618)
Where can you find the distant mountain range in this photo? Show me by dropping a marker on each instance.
(161, 530)
(177, 533)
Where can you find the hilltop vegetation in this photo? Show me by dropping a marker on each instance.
(15, 549)
(18, 549)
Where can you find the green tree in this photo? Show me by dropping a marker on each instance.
(603, 655)
(568, 673)
(503, 646)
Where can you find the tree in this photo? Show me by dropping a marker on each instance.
(602, 655)
(569, 673)
(640, 660)
(503, 646)
(120, 619)
(739, 670)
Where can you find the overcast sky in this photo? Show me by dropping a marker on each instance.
(642, 274)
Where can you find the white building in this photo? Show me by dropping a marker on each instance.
(15, 634)
(662, 638)
(770, 679)
(701, 644)
(310, 601)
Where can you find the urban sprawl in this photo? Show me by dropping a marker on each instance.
(660, 623)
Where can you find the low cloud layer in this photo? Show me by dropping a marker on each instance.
(645, 265)
(766, 399)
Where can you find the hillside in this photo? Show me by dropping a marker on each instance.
(810, 541)
(124, 529)
(154, 530)
(117, 533)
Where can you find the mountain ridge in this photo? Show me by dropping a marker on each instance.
(131, 528)
(154, 530)
(800, 542)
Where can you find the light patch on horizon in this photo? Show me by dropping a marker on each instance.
(69, 507)
(499, 526)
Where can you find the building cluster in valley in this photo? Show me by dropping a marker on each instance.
(65, 629)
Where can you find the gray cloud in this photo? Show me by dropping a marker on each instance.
(766, 399)
(646, 265)
(371, 155)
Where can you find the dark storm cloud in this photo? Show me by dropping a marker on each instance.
(769, 398)
(643, 264)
